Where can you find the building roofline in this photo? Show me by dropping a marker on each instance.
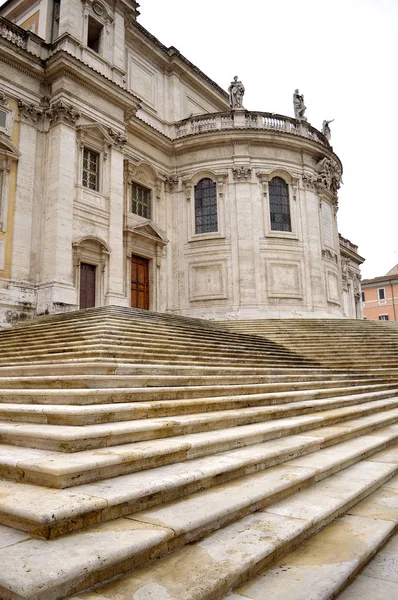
(172, 51)
(381, 279)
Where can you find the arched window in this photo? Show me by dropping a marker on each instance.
(206, 219)
(279, 206)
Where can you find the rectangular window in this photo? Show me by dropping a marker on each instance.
(363, 296)
(90, 178)
(140, 201)
(381, 293)
(383, 317)
(94, 34)
(3, 119)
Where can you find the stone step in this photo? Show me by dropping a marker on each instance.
(98, 351)
(266, 393)
(215, 540)
(59, 470)
(324, 564)
(49, 513)
(129, 405)
(65, 438)
(82, 381)
(104, 366)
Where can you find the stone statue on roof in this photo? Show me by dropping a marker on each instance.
(326, 129)
(236, 91)
(299, 106)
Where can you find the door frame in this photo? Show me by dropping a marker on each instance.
(149, 266)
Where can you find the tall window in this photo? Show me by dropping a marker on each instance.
(90, 178)
(279, 205)
(381, 293)
(94, 34)
(206, 220)
(140, 201)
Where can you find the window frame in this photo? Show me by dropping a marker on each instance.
(288, 204)
(203, 216)
(379, 299)
(150, 203)
(384, 317)
(95, 151)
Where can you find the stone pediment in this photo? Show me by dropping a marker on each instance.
(6, 146)
(149, 230)
(96, 130)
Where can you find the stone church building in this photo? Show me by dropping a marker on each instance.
(128, 177)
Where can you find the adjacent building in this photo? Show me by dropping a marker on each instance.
(129, 177)
(380, 297)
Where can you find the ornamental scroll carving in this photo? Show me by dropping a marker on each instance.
(118, 138)
(3, 99)
(29, 111)
(61, 112)
(328, 176)
(171, 183)
(241, 173)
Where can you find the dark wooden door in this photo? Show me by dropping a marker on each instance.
(87, 285)
(139, 282)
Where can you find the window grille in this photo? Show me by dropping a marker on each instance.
(383, 318)
(90, 169)
(206, 219)
(279, 205)
(140, 201)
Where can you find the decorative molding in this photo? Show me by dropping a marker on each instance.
(3, 99)
(61, 112)
(330, 255)
(30, 112)
(171, 183)
(10, 32)
(118, 138)
(329, 175)
(241, 173)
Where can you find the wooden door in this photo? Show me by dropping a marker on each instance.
(139, 282)
(87, 285)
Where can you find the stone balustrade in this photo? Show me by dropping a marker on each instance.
(247, 120)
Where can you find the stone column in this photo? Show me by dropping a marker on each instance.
(26, 190)
(115, 293)
(56, 287)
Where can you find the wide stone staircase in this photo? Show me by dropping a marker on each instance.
(357, 344)
(152, 457)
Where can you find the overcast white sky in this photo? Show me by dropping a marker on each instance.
(342, 55)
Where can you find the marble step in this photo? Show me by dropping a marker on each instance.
(60, 470)
(107, 366)
(94, 409)
(324, 564)
(206, 544)
(100, 352)
(50, 513)
(142, 346)
(68, 438)
(249, 393)
(82, 381)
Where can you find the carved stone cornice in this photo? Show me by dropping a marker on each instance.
(241, 173)
(61, 112)
(29, 112)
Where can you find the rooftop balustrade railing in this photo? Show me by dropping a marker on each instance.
(249, 120)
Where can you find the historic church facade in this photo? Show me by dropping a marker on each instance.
(129, 177)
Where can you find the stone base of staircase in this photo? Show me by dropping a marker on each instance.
(150, 457)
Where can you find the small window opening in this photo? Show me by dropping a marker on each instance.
(90, 177)
(363, 296)
(383, 317)
(3, 119)
(381, 293)
(94, 34)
